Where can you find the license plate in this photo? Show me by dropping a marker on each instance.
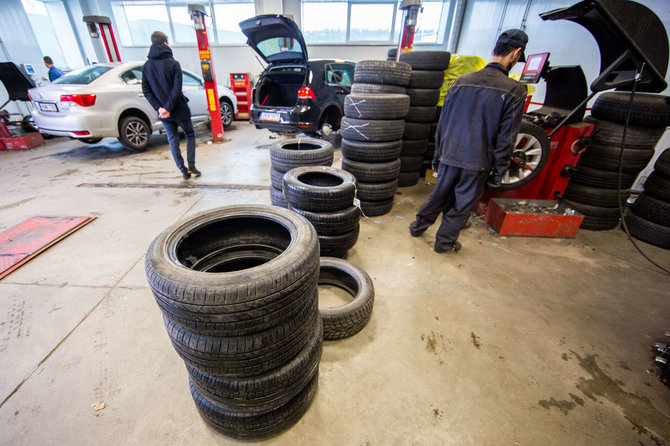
(45, 106)
(267, 116)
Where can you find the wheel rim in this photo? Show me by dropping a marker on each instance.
(526, 156)
(136, 133)
(226, 113)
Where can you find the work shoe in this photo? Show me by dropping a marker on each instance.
(194, 171)
(186, 175)
(467, 224)
(454, 248)
(413, 232)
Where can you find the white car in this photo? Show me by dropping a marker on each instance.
(106, 100)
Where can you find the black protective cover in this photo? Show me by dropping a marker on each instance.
(16, 81)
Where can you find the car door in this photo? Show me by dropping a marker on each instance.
(339, 77)
(194, 90)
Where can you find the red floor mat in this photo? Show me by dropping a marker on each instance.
(24, 241)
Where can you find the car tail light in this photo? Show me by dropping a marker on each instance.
(31, 98)
(84, 133)
(306, 93)
(85, 100)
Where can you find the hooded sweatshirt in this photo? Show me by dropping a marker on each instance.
(162, 80)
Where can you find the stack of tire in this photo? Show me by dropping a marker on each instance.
(424, 93)
(649, 220)
(593, 189)
(430, 151)
(238, 288)
(291, 153)
(372, 129)
(325, 197)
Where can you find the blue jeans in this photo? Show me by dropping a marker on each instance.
(180, 118)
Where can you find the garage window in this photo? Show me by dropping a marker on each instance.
(227, 16)
(136, 21)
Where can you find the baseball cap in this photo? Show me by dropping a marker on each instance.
(515, 38)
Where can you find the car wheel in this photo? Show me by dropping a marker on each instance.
(28, 124)
(90, 140)
(134, 132)
(227, 114)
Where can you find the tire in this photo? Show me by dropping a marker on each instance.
(433, 129)
(195, 268)
(372, 130)
(410, 163)
(338, 245)
(649, 110)
(376, 106)
(371, 152)
(426, 79)
(609, 133)
(604, 179)
(346, 320)
(607, 158)
(647, 231)
(530, 139)
(375, 208)
(416, 130)
(363, 88)
(332, 223)
(134, 133)
(263, 393)
(90, 140)
(420, 114)
(276, 178)
(28, 124)
(423, 97)
(253, 426)
(227, 112)
(430, 152)
(277, 198)
(319, 188)
(414, 147)
(658, 186)
(596, 218)
(426, 60)
(662, 165)
(376, 191)
(608, 198)
(372, 172)
(296, 152)
(652, 209)
(408, 179)
(382, 72)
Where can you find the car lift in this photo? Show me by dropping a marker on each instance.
(411, 9)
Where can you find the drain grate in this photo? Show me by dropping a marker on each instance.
(177, 186)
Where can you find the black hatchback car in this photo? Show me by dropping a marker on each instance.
(294, 94)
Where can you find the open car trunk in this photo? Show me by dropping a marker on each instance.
(279, 86)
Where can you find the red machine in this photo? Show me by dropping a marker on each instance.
(411, 9)
(198, 14)
(241, 86)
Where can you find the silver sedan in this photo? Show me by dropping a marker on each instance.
(106, 100)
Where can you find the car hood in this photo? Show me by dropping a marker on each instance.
(277, 39)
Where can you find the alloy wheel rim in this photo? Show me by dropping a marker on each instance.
(136, 133)
(226, 114)
(528, 152)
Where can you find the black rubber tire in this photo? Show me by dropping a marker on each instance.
(607, 158)
(272, 251)
(426, 60)
(89, 140)
(595, 196)
(375, 208)
(408, 179)
(319, 188)
(431, 79)
(347, 320)
(604, 179)
(416, 130)
(295, 152)
(658, 186)
(414, 147)
(662, 164)
(376, 106)
(419, 97)
(332, 223)
(652, 209)
(277, 198)
(430, 152)
(420, 114)
(372, 172)
(376, 191)
(244, 426)
(276, 178)
(227, 112)
(609, 133)
(599, 223)
(338, 244)
(134, 133)
(371, 152)
(410, 163)
(363, 88)
(28, 124)
(596, 218)
(649, 110)
(433, 129)
(647, 231)
(382, 72)
(372, 130)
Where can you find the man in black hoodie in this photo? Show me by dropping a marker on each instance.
(161, 85)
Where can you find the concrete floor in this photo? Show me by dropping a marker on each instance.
(513, 341)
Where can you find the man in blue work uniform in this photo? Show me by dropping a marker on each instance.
(161, 85)
(54, 72)
(479, 123)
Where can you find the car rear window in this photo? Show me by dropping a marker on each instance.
(279, 45)
(83, 76)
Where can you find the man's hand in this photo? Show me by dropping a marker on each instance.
(494, 181)
(163, 114)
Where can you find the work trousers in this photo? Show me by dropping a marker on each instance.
(455, 195)
(181, 118)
